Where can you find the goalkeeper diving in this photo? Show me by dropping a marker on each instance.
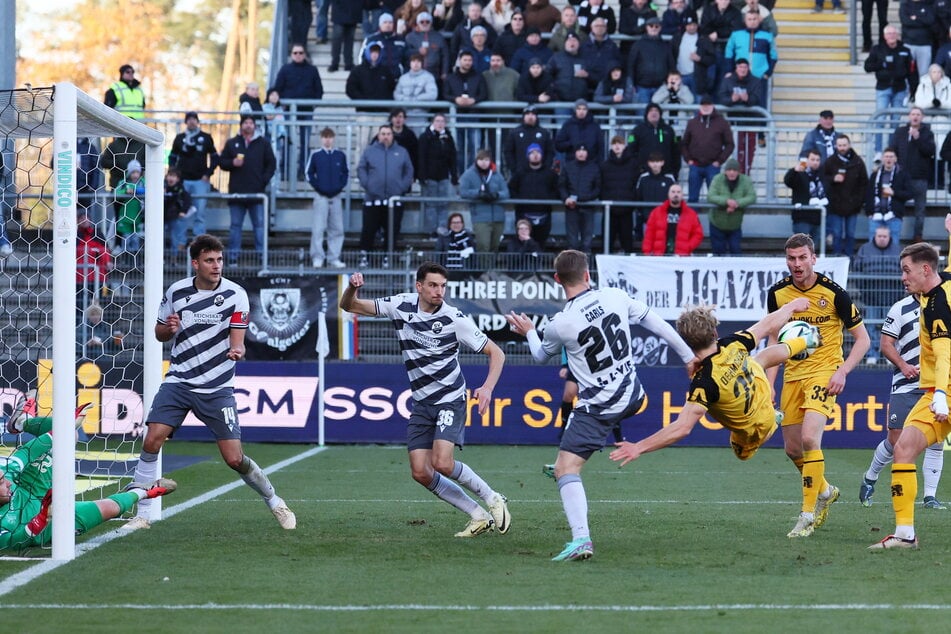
(727, 382)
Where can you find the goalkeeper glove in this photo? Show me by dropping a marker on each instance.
(36, 525)
(939, 403)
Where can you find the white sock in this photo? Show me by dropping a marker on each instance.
(905, 532)
(146, 470)
(468, 478)
(448, 491)
(931, 467)
(252, 475)
(575, 501)
(883, 456)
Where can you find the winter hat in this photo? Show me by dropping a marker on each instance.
(133, 166)
(534, 147)
(385, 17)
(478, 29)
(731, 164)
(425, 16)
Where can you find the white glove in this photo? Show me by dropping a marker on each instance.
(466, 252)
(888, 216)
(877, 217)
(939, 403)
(814, 202)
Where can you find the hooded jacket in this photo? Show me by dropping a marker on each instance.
(577, 132)
(845, 198)
(486, 206)
(645, 139)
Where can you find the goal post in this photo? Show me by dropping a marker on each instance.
(67, 114)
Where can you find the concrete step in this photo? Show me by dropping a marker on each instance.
(852, 82)
(825, 54)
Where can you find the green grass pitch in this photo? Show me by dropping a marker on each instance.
(686, 540)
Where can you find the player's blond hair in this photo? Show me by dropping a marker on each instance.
(698, 326)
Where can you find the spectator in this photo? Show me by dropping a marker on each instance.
(599, 52)
(845, 179)
(323, 11)
(717, 24)
(534, 181)
(675, 18)
(673, 228)
(755, 45)
(541, 15)
(889, 188)
(392, 45)
(126, 95)
(483, 184)
(481, 52)
(447, 15)
(301, 17)
(579, 182)
(465, 87)
(178, 206)
(534, 48)
(805, 181)
(328, 174)
(615, 87)
(250, 102)
(918, 24)
(569, 75)
(275, 130)
(371, 80)
(651, 187)
(943, 56)
(94, 337)
(707, 143)
(385, 170)
(634, 16)
(299, 79)
(695, 56)
(730, 193)
(673, 91)
(654, 135)
(767, 21)
(416, 85)
(891, 62)
(115, 159)
(462, 35)
(346, 16)
(738, 90)
(618, 173)
(522, 242)
(431, 45)
(250, 160)
(195, 155)
(821, 138)
(580, 129)
(407, 14)
(877, 265)
(915, 147)
(511, 38)
(535, 85)
(88, 183)
(650, 60)
(934, 91)
(437, 171)
(881, 9)
(130, 198)
(457, 243)
(567, 26)
(591, 10)
(498, 13)
(404, 136)
(500, 81)
(516, 143)
(93, 261)
(836, 6)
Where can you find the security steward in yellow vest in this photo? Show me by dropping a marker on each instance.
(125, 95)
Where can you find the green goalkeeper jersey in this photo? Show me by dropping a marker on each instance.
(29, 470)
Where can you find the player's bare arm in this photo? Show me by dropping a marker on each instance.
(351, 303)
(859, 348)
(676, 431)
(236, 343)
(890, 352)
(768, 326)
(496, 361)
(164, 332)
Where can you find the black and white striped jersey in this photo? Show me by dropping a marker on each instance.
(594, 329)
(430, 345)
(902, 323)
(200, 348)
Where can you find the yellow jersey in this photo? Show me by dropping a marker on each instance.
(935, 319)
(830, 308)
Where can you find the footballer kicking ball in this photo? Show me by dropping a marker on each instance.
(795, 329)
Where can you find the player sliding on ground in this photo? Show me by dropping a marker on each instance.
(745, 406)
(25, 481)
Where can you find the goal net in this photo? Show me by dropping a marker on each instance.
(80, 284)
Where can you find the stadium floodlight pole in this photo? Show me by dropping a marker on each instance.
(69, 104)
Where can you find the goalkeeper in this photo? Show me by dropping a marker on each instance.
(746, 409)
(25, 481)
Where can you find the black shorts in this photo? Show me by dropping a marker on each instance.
(428, 423)
(586, 433)
(218, 410)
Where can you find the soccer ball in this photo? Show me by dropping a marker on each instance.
(795, 329)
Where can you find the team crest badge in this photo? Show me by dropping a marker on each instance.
(219, 300)
(280, 305)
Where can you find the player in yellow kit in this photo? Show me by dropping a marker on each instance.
(810, 385)
(928, 420)
(728, 383)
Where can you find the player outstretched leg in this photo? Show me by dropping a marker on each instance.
(882, 456)
(575, 502)
(255, 478)
(496, 502)
(931, 468)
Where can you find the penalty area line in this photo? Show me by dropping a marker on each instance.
(20, 579)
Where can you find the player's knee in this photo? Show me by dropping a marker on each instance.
(793, 454)
(235, 462)
(443, 465)
(423, 476)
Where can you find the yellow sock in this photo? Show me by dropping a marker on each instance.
(796, 345)
(798, 463)
(813, 470)
(904, 492)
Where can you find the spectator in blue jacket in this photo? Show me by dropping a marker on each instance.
(483, 184)
(327, 172)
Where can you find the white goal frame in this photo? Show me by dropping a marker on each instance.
(74, 113)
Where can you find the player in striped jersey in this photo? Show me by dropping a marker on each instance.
(810, 385)
(594, 329)
(900, 345)
(927, 423)
(430, 332)
(206, 318)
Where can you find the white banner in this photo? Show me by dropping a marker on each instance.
(736, 285)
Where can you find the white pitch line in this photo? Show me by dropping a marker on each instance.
(526, 501)
(20, 579)
(740, 607)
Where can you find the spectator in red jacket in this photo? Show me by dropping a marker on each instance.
(93, 261)
(673, 227)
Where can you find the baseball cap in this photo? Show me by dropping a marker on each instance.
(528, 109)
(652, 21)
(827, 114)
